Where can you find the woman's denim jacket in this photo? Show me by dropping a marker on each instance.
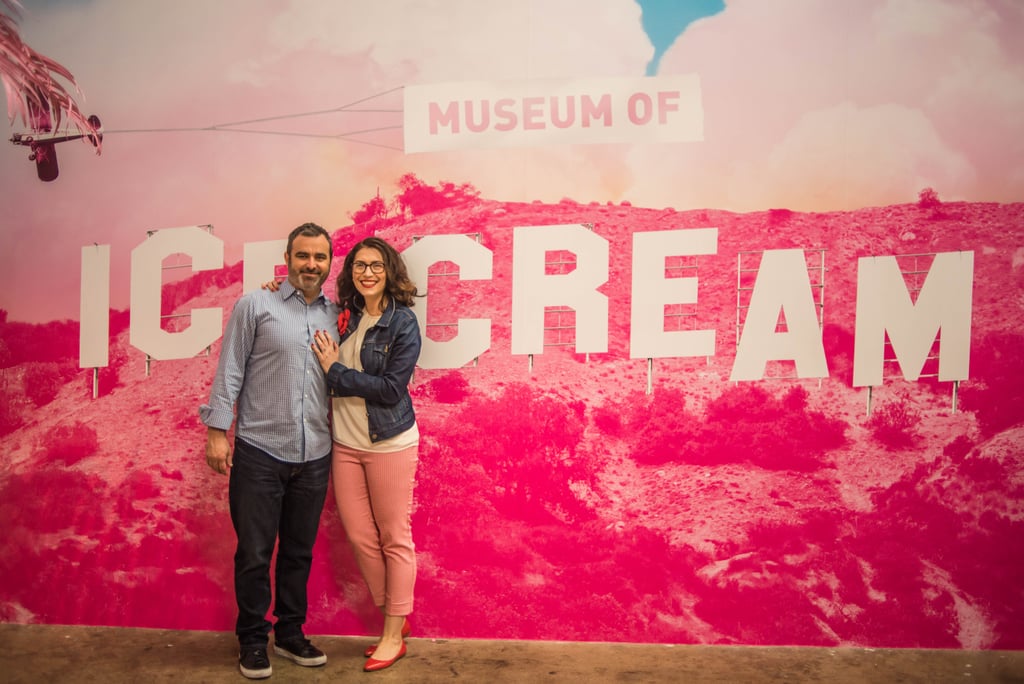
(389, 354)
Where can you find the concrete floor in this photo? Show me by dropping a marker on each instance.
(33, 654)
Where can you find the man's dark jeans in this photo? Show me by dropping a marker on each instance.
(273, 501)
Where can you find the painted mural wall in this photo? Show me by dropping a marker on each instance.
(724, 309)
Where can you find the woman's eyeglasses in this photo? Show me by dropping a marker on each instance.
(375, 267)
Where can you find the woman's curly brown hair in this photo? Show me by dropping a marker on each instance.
(398, 286)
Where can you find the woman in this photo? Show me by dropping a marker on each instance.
(376, 439)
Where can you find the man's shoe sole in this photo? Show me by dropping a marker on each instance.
(255, 674)
(305, 662)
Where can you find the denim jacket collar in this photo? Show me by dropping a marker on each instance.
(388, 314)
(357, 315)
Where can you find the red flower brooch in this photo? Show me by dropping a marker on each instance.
(343, 321)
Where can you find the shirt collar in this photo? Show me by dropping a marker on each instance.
(288, 290)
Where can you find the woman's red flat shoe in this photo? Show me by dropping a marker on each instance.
(372, 665)
(406, 631)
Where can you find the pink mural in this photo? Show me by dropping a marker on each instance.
(564, 496)
(565, 502)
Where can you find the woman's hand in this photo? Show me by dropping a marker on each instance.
(326, 349)
(272, 285)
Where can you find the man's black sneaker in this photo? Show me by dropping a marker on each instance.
(300, 650)
(254, 663)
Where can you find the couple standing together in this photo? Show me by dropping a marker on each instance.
(318, 389)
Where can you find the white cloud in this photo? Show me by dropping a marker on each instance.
(835, 157)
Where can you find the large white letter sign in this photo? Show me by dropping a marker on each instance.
(782, 285)
(884, 305)
(475, 263)
(94, 308)
(652, 291)
(207, 254)
(533, 288)
(259, 260)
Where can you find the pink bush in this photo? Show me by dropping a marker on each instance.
(69, 444)
(525, 441)
(928, 199)
(42, 381)
(995, 392)
(894, 424)
(743, 424)
(450, 388)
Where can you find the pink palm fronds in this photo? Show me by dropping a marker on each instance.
(33, 93)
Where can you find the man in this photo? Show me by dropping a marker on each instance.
(281, 459)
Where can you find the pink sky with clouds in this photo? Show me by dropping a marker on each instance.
(809, 104)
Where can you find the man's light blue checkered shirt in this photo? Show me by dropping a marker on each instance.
(268, 369)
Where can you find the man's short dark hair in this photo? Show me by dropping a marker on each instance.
(310, 230)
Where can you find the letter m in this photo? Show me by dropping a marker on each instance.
(446, 118)
(884, 306)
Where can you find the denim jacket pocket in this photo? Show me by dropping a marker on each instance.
(376, 361)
